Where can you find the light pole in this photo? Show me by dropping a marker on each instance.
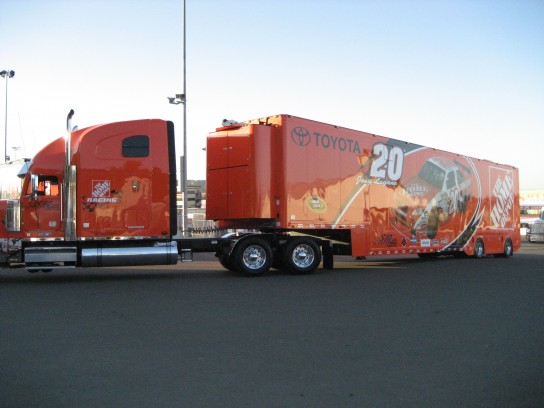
(182, 98)
(6, 74)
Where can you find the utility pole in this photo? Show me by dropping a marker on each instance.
(8, 74)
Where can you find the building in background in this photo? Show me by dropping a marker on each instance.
(11, 178)
(531, 203)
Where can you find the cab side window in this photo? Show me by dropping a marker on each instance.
(136, 146)
(47, 186)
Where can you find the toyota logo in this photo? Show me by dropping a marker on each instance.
(300, 136)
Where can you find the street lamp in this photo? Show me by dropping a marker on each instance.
(182, 99)
(176, 100)
(6, 74)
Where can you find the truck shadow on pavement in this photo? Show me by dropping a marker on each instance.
(212, 270)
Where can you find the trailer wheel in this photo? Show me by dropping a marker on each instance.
(301, 255)
(479, 250)
(253, 256)
(508, 248)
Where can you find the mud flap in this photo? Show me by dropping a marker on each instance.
(360, 245)
(327, 253)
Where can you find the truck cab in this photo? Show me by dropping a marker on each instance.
(113, 191)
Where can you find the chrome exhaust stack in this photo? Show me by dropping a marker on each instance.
(69, 185)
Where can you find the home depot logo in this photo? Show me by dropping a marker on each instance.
(101, 188)
(503, 192)
(101, 192)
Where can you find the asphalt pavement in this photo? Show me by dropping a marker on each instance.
(379, 332)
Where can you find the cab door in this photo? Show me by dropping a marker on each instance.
(42, 207)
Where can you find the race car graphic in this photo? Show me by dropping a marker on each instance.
(439, 192)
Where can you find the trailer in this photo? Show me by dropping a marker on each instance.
(314, 189)
(291, 192)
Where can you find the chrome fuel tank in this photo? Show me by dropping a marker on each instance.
(158, 254)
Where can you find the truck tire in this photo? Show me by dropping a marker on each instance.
(252, 256)
(479, 249)
(226, 261)
(301, 255)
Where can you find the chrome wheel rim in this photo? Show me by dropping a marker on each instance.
(254, 257)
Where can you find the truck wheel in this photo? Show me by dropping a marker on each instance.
(226, 261)
(301, 255)
(253, 256)
(479, 250)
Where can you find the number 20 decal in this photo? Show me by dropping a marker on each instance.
(388, 161)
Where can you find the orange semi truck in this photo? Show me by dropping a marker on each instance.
(294, 191)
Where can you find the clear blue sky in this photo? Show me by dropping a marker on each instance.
(465, 76)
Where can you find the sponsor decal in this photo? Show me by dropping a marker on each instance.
(416, 190)
(366, 181)
(302, 137)
(101, 192)
(49, 206)
(386, 240)
(89, 204)
(101, 199)
(503, 202)
(100, 188)
(316, 204)
(425, 242)
(386, 166)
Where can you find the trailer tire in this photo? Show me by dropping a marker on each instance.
(301, 255)
(508, 248)
(252, 256)
(479, 249)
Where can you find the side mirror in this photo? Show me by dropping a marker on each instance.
(34, 180)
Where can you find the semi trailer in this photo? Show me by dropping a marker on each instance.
(292, 193)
